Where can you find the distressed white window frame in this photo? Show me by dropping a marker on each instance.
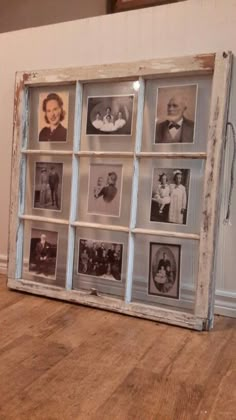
(219, 66)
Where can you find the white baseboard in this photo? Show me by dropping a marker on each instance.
(3, 264)
(225, 302)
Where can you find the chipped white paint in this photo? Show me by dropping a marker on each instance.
(169, 234)
(139, 310)
(88, 153)
(33, 218)
(204, 303)
(134, 197)
(74, 186)
(173, 155)
(15, 240)
(47, 152)
(200, 64)
(99, 226)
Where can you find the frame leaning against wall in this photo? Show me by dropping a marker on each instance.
(219, 67)
(124, 5)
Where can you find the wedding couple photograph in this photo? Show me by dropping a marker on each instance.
(170, 191)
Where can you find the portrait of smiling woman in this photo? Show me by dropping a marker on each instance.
(52, 112)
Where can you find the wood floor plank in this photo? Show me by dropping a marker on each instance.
(145, 394)
(60, 361)
(28, 360)
(6, 298)
(219, 399)
(91, 371)
(23, 316)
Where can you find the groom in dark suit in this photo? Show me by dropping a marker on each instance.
(177, 128)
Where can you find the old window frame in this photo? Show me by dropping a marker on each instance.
(219, 66)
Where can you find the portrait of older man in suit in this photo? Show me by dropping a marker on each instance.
(43, 253)
(177, 122)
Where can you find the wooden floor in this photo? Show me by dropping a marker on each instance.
(64, 361)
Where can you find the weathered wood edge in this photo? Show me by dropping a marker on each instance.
(87, 153)
(74, 194)
(156, 232)
(125, 229)
(196, 64)
(134, 193)
(19, 133)
(168, 316)
(46, 152)
(204, 301)
(173, 155)
(42, 219)
(100, 226)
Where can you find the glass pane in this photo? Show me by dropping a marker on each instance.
(165, 205)
(109, 116)
(51, 117)
(48, 186)
(45, 253)
(182, 101)
(105, 190)
(168, 279)
(100, 261)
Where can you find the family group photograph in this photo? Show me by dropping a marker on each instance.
(110, 115)
(100, 259)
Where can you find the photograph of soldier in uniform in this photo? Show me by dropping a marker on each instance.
(110, 115)
(175, 115)
(104, 191)
(43, 253)
(164, 270)
(100, 259)
(48, 185)
(53, 117)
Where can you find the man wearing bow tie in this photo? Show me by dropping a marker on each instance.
(176, 128)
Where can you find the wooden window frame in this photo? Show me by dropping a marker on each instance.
(219, 66)
(116, 6)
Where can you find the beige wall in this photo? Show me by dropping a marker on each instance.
(196, 26)
(20, 14)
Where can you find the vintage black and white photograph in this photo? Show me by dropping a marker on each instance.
(100, 259)
(105, 189)
(110, 115)
(170, 191)
(43, 253)
(53, 117)
(48, 186)
(164, 270)
(175, 114)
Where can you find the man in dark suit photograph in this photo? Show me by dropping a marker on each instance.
(176, 128)
(42, 255)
